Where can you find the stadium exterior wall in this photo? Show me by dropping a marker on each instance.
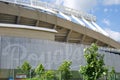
(15, 50)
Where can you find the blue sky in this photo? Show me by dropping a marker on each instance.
(106, 11)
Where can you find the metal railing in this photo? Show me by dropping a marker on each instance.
(53, 8)
(17, 74)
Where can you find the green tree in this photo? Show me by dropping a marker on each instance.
(49, 75)
(95, 67)
(39, 70)
(25, 68)
(65, 70)
(111, 74)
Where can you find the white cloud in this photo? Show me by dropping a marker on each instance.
(106, 22)
(113, 34)
(109, 10)
(59, 2)
(83, 5)
(111, 2)
(105, 10)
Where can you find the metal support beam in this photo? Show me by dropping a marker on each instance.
(17, 19)
(54, 27)
(96, 41)
(83, 38)
(68, 35)
(37, 23)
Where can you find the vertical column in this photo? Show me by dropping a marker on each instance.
(0, 51)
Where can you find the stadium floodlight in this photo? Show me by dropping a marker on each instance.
(89, 25)
(64, 16)
(100, 29)
(44, 9)
(78, 20)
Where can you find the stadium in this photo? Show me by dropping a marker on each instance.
(38, 32)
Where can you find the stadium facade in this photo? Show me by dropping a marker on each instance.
(31, 30)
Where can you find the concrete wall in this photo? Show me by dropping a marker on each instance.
(27, 33)
(14, 51)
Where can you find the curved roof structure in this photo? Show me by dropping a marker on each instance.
(72, 26)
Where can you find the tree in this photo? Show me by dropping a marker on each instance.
(39, 70)
(49, 75)
(111, 74)
(95, 67)
(65, 70)
(25, 68)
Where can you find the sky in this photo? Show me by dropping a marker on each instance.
(107, 13)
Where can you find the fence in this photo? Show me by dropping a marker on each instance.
(56, 76)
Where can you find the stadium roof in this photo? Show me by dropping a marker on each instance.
(29, 13)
